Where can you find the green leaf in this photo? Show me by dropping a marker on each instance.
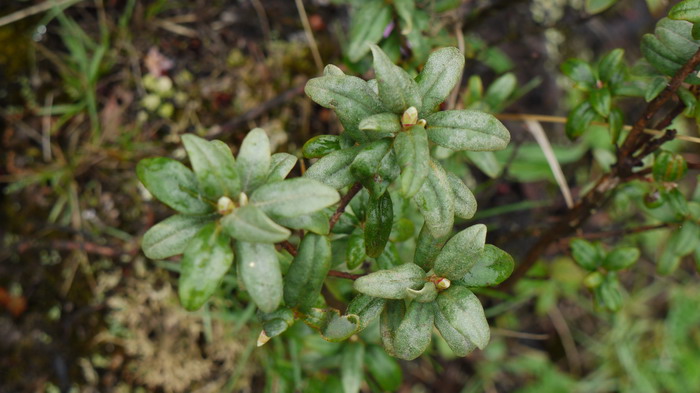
(170, 236)
(580, 72)
(367, 308)
(391, 283)
(487, 162)
(389, 322)
(334, 169)
(315, 222)
(663, 58)
(491, 268)
(321, 145)
(367, 161)
(280, 166)
(351, 372)
(467, 130)
(381, 124)
(611, 67)
(428, 248)
(277, 322)
(580, 118)
(500, 90)
(609, 292)
(379, 219)
(385, 370)
(442, 71)
(621, 258)
(615, 123)
(461, 252)
(173, 184)
(207, 258)
(597, 6)
(368, 25)
(305, 277)
(465, 203)
(260, 272)
(669, 166)
(687, 10)
(413, 335)
(254, 159)
(463, 311)
(677, 36)
(214, 166)
(294, 197)
(655, 87)
(677, 202)
(412, 154)
(350, 97)
(681, 243)
(586, 254)
(458, 343)
(355, 251)
(601, 101)
(249, 224)
(436, 202)
(397, 90)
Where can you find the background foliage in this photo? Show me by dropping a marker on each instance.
(89, 88)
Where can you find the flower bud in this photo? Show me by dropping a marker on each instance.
(225, 205)
(410, 117)
(442, 284)
(242, 199)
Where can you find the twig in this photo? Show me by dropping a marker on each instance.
(91, 248)
(344, 203)
(264, 21)
(289, 247)
(621, 171)
(349, 276)
(35, 9)
(619, 232)
(567, 341)
(309, 35)
(514, 334)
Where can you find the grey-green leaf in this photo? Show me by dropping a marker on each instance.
(383, 368)
(427, 248)
(334, 169)
(254, 159)
(467, 130)
(170, 236)
(214, 166)
(250, 224)
(294, 197)
(173, 184)
(389, 322)
(351, 367)
(381, 125)
(414, 333)
(621, 258)
(458, 343)
(280, 166)
(465, 203)
(464, 312)
(461, 252)
(491, 268)
(441, 73)
(367, 308)
(207, 258)
(260, 272)
(397, 90)
(391, 283)
(413, 156)
(424, 295)
(436, 202)
(315, 222)
(350, 97)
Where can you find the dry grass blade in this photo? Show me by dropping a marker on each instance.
(536, 130)
(309, 35)
(35, 9)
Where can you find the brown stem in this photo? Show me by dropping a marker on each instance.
(349, 276)
(344, 203)
(626, 161)
(620, 232)
(289, 247)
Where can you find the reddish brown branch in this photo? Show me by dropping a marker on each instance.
(344, 203)
(349, 276)
(621, 171)
(289, 247)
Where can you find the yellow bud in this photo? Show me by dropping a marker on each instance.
(242, 199)
(225, 205)
(410, 117)
(262, 339)
(443, 284)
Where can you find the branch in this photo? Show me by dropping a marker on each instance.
(623, 169)
(349, 276)
(620, 232)
(344, 203)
